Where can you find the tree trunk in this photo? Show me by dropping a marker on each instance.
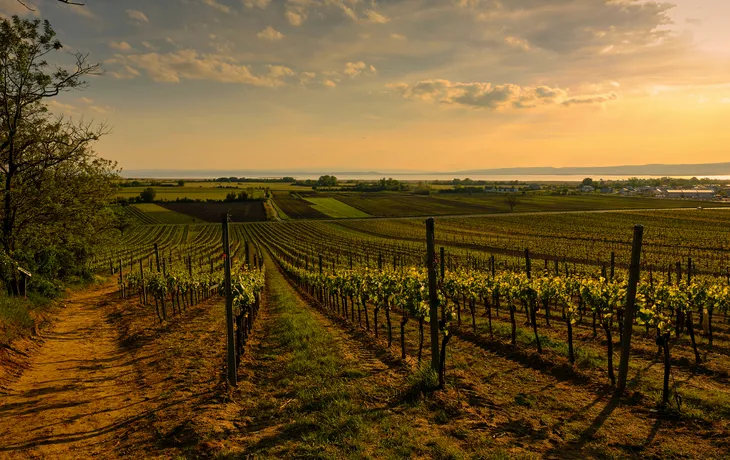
(420, 338)
(609, 340)
(667, 369)
(533, 315)
(375, 319)
(512, 321)
(691, 330)
(489, 316)
(403, 322)
(571, 355)
(390, 327)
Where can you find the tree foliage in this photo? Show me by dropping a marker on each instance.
(327, 181)
(54, 187)
(147, 195)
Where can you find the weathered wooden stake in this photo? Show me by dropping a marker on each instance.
(442, 262)
(623, 368)
(432, 294)
(157, 257)
(231, 345)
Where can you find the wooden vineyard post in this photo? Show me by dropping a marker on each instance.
(157, 257)
(121, 279)
(533, 301)
(320, 264)
(231, 346)
(613, 263)
(433, 296)
(623, 368)
(144, 288)
(441, 261)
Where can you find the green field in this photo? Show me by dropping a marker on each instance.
(155, 214)
(197, 190)
(335, 208)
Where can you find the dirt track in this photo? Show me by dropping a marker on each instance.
(77, 396)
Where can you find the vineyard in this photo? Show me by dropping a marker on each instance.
(548, 294)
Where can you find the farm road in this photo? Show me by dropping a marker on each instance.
(78, 395)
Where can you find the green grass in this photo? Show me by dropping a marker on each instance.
(15, 319)
(164, 216)
(208, 190)
(335, 208)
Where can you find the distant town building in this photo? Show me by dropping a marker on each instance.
(503, 190)
(697, 194)
(587, 188)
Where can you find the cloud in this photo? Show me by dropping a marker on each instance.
(693, 21)
(218, 6)
(262, 4)
(725, 100)
(328, 83)
(63, 108)
(489, 96)
(374, 16)
(120, 46)
(306, 77)
(353, 69)
(516, 42)
(149, 46)
(188, 64)
(297, 11)
(295, 18)
(137, 16)
(270, 33)
(397, 36)
(77, 109)
(590, 99)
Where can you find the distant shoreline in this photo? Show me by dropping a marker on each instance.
(414, 177)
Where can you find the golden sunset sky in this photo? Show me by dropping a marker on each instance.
(401, 84)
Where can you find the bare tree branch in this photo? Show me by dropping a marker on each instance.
(67, 2)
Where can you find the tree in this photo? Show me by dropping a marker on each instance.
(327, 181)
(511, 200)
(242, 196)
(122, 221)
(147, 195)
(587, 181)
(181, 183)
(44, 161)
(231, 196)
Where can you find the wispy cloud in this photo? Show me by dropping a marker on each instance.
(188, 64)
(217, 5)
(489, 96)
(120, 46)
(137, 16)
(262, 4)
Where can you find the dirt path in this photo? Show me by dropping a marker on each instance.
(78, 394)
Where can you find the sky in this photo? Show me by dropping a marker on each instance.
(434, 85)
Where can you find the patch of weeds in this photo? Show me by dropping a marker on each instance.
(526, 400)
(441, 449)
(424, 380)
